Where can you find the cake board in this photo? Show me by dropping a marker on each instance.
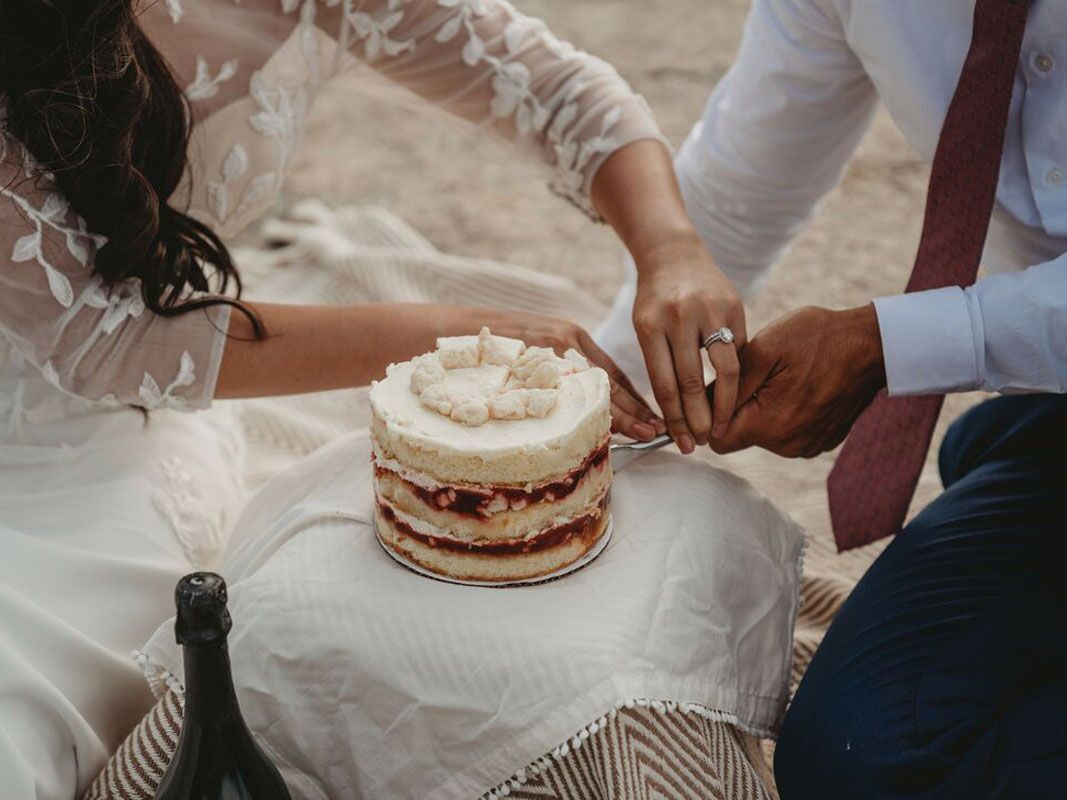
(588, 558)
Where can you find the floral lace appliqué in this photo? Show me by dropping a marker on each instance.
(54, 216)
(154, 397)
(205, 86)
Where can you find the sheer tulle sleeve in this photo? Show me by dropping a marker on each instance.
(480, 60)
(251, 71)
(487, 63)
(89, 341)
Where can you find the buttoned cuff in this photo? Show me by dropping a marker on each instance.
(928, 341)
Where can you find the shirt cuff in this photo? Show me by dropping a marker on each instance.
(928, 342)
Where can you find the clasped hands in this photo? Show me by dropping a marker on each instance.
(794, 389)
(805, 378)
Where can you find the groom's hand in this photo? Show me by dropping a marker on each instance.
(805, 378)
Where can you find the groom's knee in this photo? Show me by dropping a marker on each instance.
(817, 754)
(1004, 428)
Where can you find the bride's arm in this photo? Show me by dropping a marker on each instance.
(487, 63)
(103, 344)
(315, 348)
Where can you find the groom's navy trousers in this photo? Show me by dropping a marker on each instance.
(944, 675)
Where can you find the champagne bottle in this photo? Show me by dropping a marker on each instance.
(216, 758)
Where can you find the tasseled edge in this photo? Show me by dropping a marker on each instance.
(545, 762)
(160, 679)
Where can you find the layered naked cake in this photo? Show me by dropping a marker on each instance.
(491, 458)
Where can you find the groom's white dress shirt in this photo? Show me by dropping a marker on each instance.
(780, 126)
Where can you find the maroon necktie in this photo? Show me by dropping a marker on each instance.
(873, 480)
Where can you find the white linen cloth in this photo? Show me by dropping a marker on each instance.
(365, 680)
(780, 127)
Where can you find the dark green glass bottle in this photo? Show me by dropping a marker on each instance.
(217, 758)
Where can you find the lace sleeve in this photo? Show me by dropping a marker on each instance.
(97, 343)
(485, 62)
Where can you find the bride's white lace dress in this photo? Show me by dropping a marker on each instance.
(101, 512)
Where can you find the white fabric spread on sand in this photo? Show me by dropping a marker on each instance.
(380, 683)
(366, 680)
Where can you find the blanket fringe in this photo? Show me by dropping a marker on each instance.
(160, 679)
(545, 762)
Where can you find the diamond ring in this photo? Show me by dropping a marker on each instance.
(723, 334)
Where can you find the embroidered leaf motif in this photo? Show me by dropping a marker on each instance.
(258, 189)
(122, 304)
(54, 208)
(27, 247)
(149, 392)
(202, 82)
(174, 8)
(218, 199)
(77, 248)
(95, 296)
(186, 372)
(309, 43)
(394, 48)
(610, 119)
(59, 286)
(203, 85)
(258, 89)
(473, 51)
(50, 374)
(449, 30)
(235, 164)
(228, 70)
(540, 118)
(513, 35)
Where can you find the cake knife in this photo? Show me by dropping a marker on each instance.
(622, 453)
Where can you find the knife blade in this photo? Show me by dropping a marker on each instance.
(624, 453)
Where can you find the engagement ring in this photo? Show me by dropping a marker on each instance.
(723, 334)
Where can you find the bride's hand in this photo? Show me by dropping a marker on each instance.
(682, 298)
(630, 414)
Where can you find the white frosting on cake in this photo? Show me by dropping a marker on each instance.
(488, 423)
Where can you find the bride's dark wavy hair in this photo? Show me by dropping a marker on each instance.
(96, 104)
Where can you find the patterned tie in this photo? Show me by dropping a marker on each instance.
(874, 478)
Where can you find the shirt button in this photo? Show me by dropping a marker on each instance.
(1044, 62)
(1054, 177)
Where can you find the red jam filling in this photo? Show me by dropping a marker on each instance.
(549, 538)
(475, 502)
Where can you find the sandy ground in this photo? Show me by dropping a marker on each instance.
(473, 197)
